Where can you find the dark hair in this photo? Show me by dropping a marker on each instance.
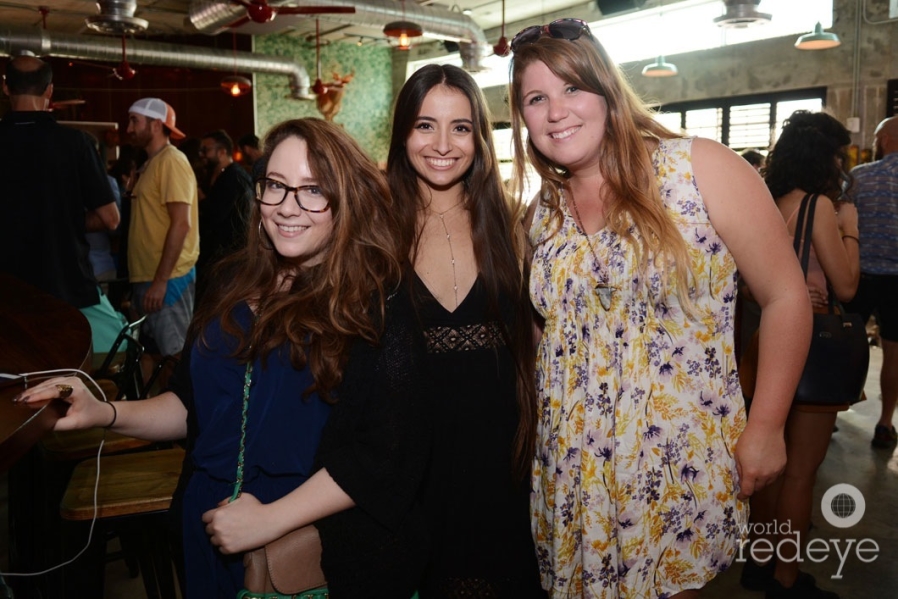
(328, 305)
(754, 158)
(221, 139)
(250, 140)
(24, 81)
(496, 232)
(809, 155)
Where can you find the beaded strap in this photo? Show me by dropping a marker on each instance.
(247, 381)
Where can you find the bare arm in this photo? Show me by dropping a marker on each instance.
(179, 214)
(838, 256)
(745, 216)
(159, 418)
(104, 218)
(246, 523)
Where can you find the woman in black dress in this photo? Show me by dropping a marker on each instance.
(466, 246)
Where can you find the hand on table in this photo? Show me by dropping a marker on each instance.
(85, 411)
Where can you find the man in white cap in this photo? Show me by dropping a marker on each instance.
(163, 242)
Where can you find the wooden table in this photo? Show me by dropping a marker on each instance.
(131, 483)
(37, 332)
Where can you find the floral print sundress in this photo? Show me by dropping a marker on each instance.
(634, 481)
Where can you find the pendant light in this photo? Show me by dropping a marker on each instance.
(502, 48)
(660, 68)
(403, 30)
(235, 85)
(818, 40)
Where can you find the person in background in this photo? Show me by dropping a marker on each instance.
(249, 147)
(465, 246)
(101, 259)
(310, 314)
(807, 159)
(875, 193)
(55, 191)
(754, 158)
(224, 211)
(163, 238)
(644, 458)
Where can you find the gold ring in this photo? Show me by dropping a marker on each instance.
(64, 391)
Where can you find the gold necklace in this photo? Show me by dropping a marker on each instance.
(441, 215)
(603, 290)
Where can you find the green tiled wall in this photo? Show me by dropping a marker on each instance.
(367, 102)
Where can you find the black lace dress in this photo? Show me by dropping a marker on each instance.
(480, 524)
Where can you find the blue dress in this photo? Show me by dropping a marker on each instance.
(282, 435)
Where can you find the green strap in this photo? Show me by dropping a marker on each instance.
(247, 381)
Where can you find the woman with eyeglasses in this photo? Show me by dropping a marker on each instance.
(644, 458)
(308, 348)
(466, 282)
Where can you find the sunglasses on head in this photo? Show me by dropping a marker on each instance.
(565, 29)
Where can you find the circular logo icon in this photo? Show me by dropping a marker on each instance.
(843, 505)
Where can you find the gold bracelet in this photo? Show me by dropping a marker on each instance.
(852, 237)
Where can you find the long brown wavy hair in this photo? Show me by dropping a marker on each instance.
(318, 309)
(625, 156)
(495, 223)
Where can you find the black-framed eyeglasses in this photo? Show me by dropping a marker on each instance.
(565, 29)
(272, 192)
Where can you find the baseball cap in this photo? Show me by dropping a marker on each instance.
(155, 108)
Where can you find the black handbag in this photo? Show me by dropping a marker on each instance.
(836, 368)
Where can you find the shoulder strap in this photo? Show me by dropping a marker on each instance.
(804, 226)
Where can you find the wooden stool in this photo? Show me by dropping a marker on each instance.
(59, 454)
(133, 496)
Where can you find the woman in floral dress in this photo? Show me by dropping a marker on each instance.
(644, 458)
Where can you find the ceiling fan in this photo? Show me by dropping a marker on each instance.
(259, 11)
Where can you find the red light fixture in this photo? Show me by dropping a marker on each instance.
(502, 48)
(236, 86)
(403, 30)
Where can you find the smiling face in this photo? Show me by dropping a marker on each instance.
(294, 231)
(565, 123)
(440, 146)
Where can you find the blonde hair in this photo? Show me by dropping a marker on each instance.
(624, 157)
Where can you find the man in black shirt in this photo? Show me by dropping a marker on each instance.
(54, 190)
(225, 208)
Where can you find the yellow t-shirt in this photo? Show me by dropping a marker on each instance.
(167, 177)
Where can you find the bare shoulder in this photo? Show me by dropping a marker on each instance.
(723, 177)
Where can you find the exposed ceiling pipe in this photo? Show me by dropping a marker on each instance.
(41, 43)
(214, 16)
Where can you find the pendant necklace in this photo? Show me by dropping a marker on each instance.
(603, 290)
(441, 216)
